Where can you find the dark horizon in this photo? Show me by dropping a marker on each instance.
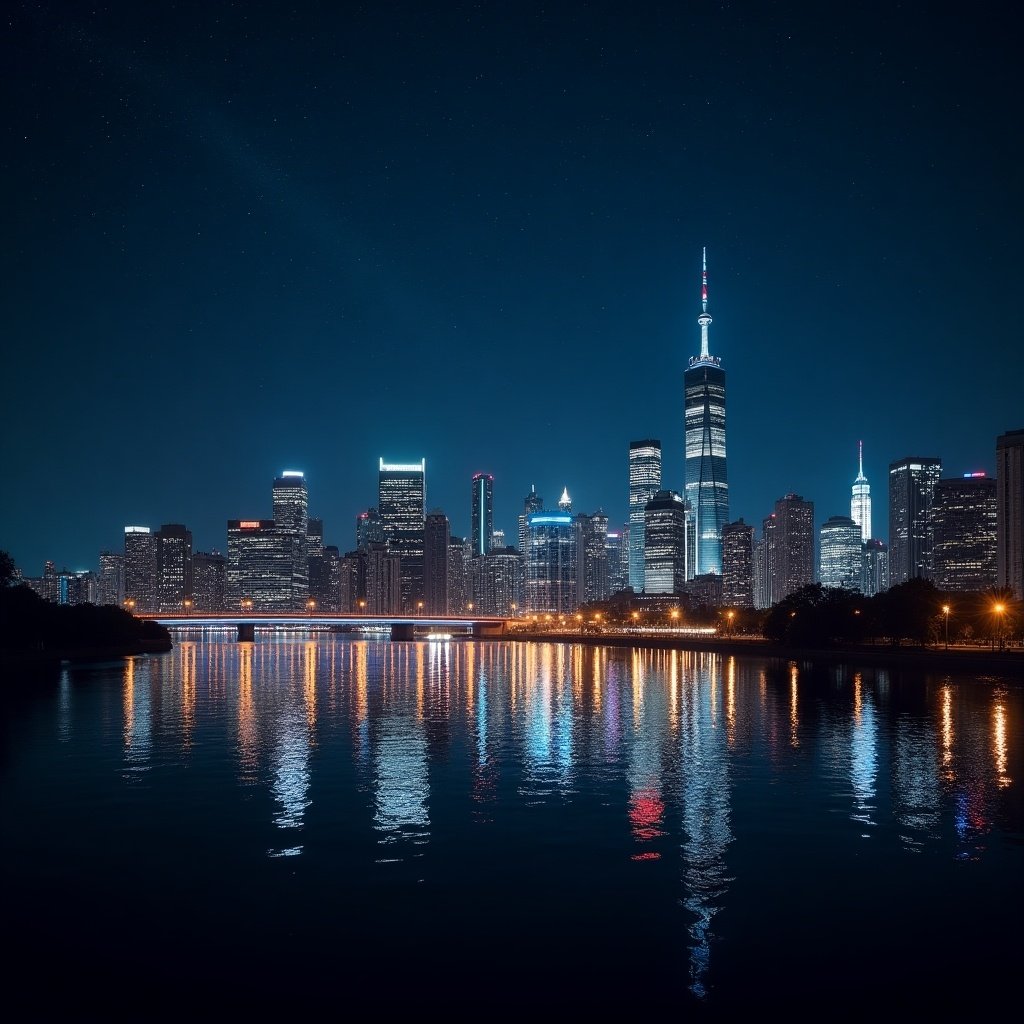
(245, 240)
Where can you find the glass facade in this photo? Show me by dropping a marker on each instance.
(841, 554)
(644, 483)
(617, 547)
(1010, 512)
(496, 582)
(458, 587)
(738, 565)
(551, 563)
(707, 487)
(291, 519)
(369, 528)
(174, 566)
(437, 536)
(860, 498)
(875, 579)
(140, 574)
(911, 492)
(592, 557)
(964, 533)
(402, 506)
(665, 543)
(209, 581)
(784, 561)
(533, 502)
(110, 585)
(482, 513)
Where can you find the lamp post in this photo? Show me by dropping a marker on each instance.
(310, 606)
(129, 605)
(419, 607)
(1000, 609)
(730, 615)
(945, 612)
(187, 605)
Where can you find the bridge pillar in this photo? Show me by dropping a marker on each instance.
(246, 632)
(403, 631)
(485, 629)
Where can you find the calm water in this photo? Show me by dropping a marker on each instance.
(467, 828)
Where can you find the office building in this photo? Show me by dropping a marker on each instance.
(383, 581)
(592, 557)
(707, 486)
(617, 547)
(437, 536)
(841, 553)
(550, 563)
(496, 582)
(291, 521)
(209, 581)
(369, 529)
(110, 585)
(459, 594)
(260, 566)
(787, 559)
(644, 483)
(875, 578)
(665, 543)
(533, 502)
(860, 498)
(964, 524)
(1010, 512)
(402, 506)
(174, 567)
(911, 490)
(738, 565)
(482, 513)
(140, 569)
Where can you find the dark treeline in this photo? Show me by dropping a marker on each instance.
(30, 625)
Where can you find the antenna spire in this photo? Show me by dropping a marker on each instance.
(705, 317)
(860, 462)
(704, 283)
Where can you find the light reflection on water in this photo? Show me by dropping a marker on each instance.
(670, 773)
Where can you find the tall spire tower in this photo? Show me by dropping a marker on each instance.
(707, 484)
(860, 500)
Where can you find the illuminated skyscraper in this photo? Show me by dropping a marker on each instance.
(964, 515)
(644, 483)
(591, 557)
(841, 558)
(174, 566)
(459, 594)
(860, 500)
(140, 575)
(291, 521)
(209, 581)
(665, 543)
(110, 585)
(482, 513)
(551, 563)
(617, 545)
(784, 560)
(911, 491)
(875, 579)
(496, 582)
(437, 536)
(369, 529)
(533, 502)
(260, 566)
(707, 487)
(402, 495)
(738, 565)
(1010, 511)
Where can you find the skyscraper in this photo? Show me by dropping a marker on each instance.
(617, 546)
(738, 565)
(551, 563)
(964, 514)
(841, 558)
(140, 574)
(591, 557)
(482, 513)
(875, 579)
(644, 483)
(369, 528)
(707, 487)
(436, 538)
(260, 566)
(1010, 511)
(860, 499)
(665, 543)
(174, 566)
(911, 491)
(209, 581)
(786, 562)
(291, 522)
(533, 502)
(496, 582)
(402, 495)
(458, 589)
(110, 585)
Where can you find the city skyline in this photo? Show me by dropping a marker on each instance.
(200, 320)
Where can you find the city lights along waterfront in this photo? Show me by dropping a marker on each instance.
(323, 817)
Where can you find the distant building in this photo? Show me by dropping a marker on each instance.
(551, 563)
(911, 490)
(291, 522)
(209, 581)
(738, 565)
(402, 505)
(1010, 512)
(875, 578)
(383, 581)
(459, 593)
(110, 585)
(841, 557)
(617, 548)
(591, 557)
(860, 498)
(964, 515)
(665, 543)
(259, 570)
(496, 582)
(705, 590)
(140, 569)
(482, 513)
(174, 566)
(437, 535)
(787, 561)
(644, 483)
(533, 502)
(369, 529)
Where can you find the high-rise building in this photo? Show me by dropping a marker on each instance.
(533, 502)
(665, 543)
(140, 572)
(551, 563)
(738, 565)
(291, 521)
(644, 483)
(875, 578)
(707, 486)
(315, 538)
(402, 496)
(496, 582)
(860, 498)
(482, 513)
(459, 593)
(787, 559)
(325, 580)
(349, 593)
(617, 546)
(260, 566)
(383, 580)
(1010, 512)
(911, 491)
(498, 539)
(369, 529)
(209, 581)
(841, 559)
(110, 585)
(964, 514)
(437, 535)
(174, 566)
(592, 557)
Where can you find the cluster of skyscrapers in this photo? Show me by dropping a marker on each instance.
(964, 533)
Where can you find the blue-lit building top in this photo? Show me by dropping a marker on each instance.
(551, 563)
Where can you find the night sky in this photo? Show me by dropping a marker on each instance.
(240, 238)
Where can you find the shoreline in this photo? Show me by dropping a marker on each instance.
(40, 661)
(1008, 663)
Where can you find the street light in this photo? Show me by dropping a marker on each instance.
(730, 615)
(362, 607)
(419, 607)
(310, 606)
(945, 611)
(187, 605)
(999, 608)
(129, 604)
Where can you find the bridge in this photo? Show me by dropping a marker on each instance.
(403, 627)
